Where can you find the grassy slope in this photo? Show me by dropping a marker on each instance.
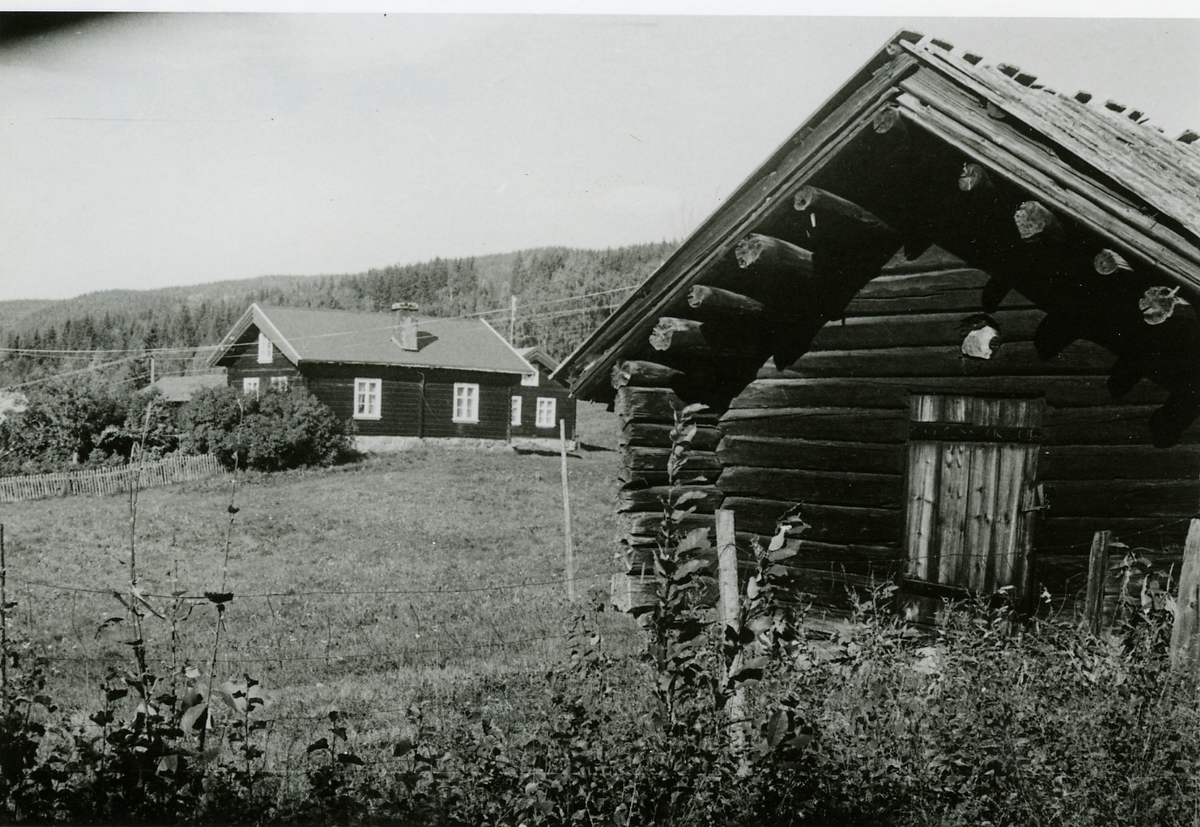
(432, 519)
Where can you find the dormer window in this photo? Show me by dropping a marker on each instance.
(266, 351)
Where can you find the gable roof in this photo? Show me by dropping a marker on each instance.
(1119, 180)
(347, 337)
(182, 388)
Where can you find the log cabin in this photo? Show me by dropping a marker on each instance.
(399, 378)
(949, 323)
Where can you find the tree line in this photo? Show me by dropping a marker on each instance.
(547, 284)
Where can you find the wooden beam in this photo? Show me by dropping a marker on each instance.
(713, 300)
(1185, 634)
(1056, 332)
(679, 336)
(764, 251)
(835, 218)
(888, 121)
(1097, 577)
(974, 178)
(1168, 423)
(643, 374)
(1107, 262)
(1036, 223)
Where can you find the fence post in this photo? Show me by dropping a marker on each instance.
(3, 627)
(1185, 634)
(730, 615)
(562, 436)
(1093, 612)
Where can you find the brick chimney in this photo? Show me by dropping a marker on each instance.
(406, 324)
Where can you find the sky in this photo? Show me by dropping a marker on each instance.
(150, 150)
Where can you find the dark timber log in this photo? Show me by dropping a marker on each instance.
(1171, 422)
(1109, 425)
(826, 523)
(679, 337)
(892, 392)
(764, 251)
(920, 329)
(648, 523)
(641, 374)
(1132, 462)
(832, 488)
(1127, 372)
(814, 455)
(654, 405)
(1056, 331)
(974, 178)
(655, 497)
(835, 219)
(1036, 223)
(827, 424)
(995, 292)
(1013, 359)
(715, 301)
(887, 121)
(1150, 532)
(649, 435)
(1107, 262)
(1122, 498)
(641, 458)
(927, 292)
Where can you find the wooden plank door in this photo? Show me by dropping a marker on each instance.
(972, 472)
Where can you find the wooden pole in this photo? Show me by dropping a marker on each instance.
(512, 320)
(1185, 635)
(562, 436)
(3, 627)
(730, 612)
(1097, 576)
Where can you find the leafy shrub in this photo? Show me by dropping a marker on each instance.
(61, 425)
(271, 432)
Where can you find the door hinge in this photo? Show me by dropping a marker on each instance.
(1035, 499)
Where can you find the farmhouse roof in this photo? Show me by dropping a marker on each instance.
(896, 143)
(182, 388)
(347, 337)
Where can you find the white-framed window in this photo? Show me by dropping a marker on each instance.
(279, 383)
(266, 351)
(366, 398)
(516, 410)
(250, 385)
(546, 408)
(466, 402)
(530, 380)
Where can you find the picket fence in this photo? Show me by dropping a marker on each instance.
(109, 480)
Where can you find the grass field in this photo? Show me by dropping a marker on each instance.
(431, 572)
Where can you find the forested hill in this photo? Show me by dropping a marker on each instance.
(561, 295)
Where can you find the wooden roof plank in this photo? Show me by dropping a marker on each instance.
(1163, 190)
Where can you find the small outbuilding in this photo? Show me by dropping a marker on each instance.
(397, 376)
(949, 322)
(541, 402)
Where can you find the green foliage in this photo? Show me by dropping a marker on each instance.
(64, 423)
(274, 431)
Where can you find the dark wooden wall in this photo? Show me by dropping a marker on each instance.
(564, 407)
(829, 433)
(242, 361)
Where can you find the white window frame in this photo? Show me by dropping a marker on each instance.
(516, 411)
(279, 383)
(266, 350)
(250, 385)
(466, 402)
(530, 380)
(368, 398)
(547, 412)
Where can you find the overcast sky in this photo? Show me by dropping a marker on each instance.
(149, 150)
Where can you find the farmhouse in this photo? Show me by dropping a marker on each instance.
(397, 377)
(539, 403)
(949, 322)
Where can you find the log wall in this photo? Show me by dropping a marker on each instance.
(829, 432)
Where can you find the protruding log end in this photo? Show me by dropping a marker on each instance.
(1036, 223)
(887, 120)
(749, 249)
(1108, 262)
(640, 374)
(677, 335)
(715, 300)
(973, 178)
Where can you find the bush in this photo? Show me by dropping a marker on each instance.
(272, 432)
(62, 424)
